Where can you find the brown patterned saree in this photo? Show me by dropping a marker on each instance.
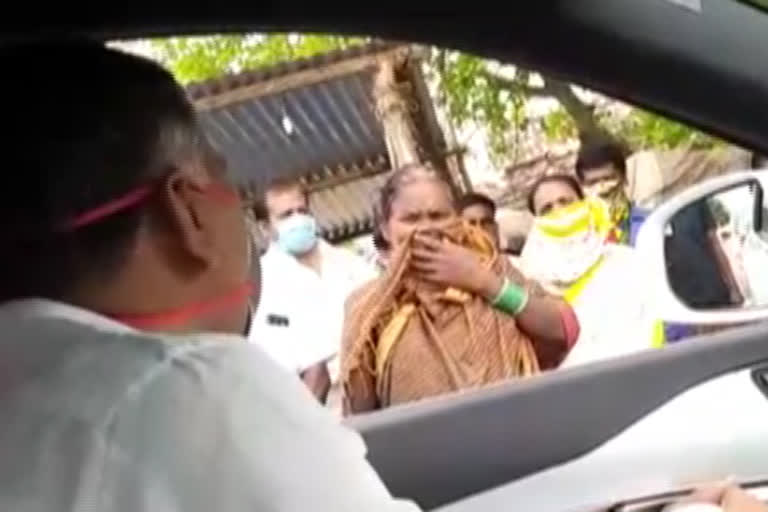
(405, 339)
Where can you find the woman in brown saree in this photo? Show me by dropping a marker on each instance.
(448, 313)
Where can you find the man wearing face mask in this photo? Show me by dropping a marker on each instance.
(601, 168)
(602, 171)
(126, 382)
(306, 284)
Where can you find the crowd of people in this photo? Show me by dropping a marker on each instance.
(448, 308)
(131, 280)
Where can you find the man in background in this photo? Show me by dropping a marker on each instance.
(601, 168)
(306, 282)
(127, 385)
(480, 211)
(602, 171)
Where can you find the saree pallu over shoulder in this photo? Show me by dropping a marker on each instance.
(406, 340)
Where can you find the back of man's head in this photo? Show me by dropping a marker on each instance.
(86, 128)
(84, 125)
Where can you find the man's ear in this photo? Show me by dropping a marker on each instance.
(188, 213)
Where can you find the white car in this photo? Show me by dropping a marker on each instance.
(702, 406)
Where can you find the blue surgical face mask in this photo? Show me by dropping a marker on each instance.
(296, 234)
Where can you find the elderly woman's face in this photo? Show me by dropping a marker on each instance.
(552, 195)
(422, 204)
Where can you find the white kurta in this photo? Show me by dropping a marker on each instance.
(313, 304)
(97, 416)
(614, 310)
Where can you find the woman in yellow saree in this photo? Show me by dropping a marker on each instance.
(449, 313)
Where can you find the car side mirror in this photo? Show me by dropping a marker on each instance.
(707, 252)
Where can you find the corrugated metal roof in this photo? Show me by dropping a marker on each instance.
(333, 123)
(335, 135)
(346, 210)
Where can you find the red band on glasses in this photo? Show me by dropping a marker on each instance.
(134, 198)
(89, 217)
(185, 313)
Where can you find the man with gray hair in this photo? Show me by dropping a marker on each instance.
(126, 273)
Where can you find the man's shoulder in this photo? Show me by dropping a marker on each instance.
(281, 272)
(213, 381)
(276, 259)
(212, 357)
(84, 371)
(162, 411)
(241, 415)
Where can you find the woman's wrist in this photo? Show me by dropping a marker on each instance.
(491, 284)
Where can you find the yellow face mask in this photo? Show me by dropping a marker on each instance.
(576, 218)
(566, 243)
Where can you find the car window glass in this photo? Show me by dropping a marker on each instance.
(338, 115)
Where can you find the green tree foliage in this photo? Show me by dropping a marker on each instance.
(193, 59)
(470, 93)
(642, 129)
(475, 88)
(558, 125)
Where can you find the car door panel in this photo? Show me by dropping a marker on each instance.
(715, 430)
(441, 450)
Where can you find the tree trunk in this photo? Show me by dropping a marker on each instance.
(393, 112)
(582, 114)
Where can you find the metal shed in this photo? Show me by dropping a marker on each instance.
(322, 120)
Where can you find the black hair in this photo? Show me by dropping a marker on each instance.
(382, 209)
(88, 126)
(475, 199)
(278, 183)
(598, 154)
(567, 179)
(758, 160)
(287, 182)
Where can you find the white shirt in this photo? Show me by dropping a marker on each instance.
(313, 304)
(97, 416)
(614, 310)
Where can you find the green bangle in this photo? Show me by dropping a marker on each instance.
(511, 299)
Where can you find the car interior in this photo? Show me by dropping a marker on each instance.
(701, 62)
